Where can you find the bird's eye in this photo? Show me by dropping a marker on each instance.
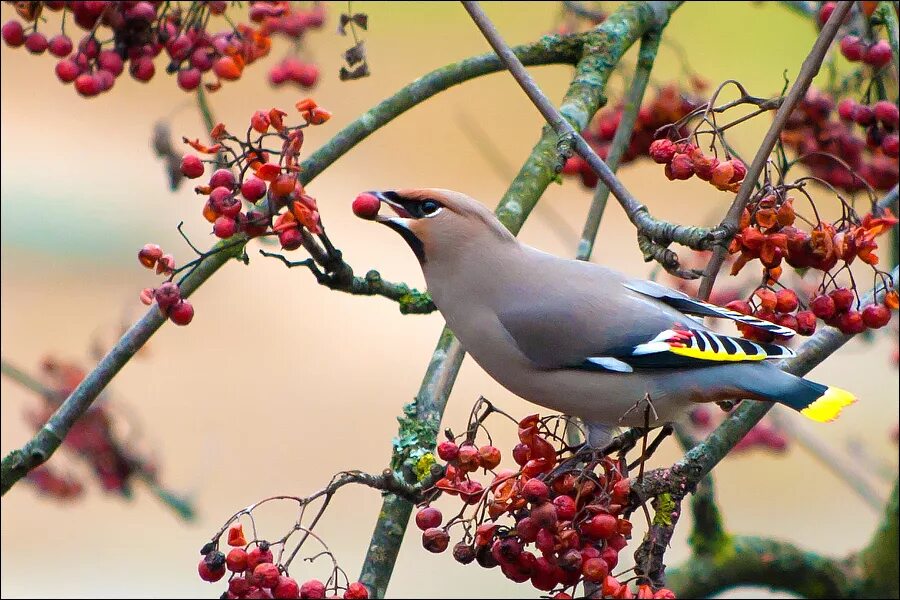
(429, 207)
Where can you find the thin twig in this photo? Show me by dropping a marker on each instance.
(26, 380)
(808, 71)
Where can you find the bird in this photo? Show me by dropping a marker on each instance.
(578, 337)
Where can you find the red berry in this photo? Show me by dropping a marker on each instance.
(544, 515)
(823, 307)
(595, 570)
(287, 587)
(167, 295)
(312, 589)
(111, 61)
(490, 457)
(266, 575)
(806, 322)
(863, 115)
(786, 301)
(366, 206)
(600, 526)
(664, 594)
(191, 166)
(86, 85)
(740, 170)
(447, 450)
(238, 586)
(662, 151)
(149, 254)
(236, 561)
(521, 454)
(222, 178)
(189, 79)
(142, 69)
(610, 556)
(852, 48)
(67, 71)
(182, 313)
(212, 567)
(825, 12)
(851, 322)
(565, 507)
(60, 46)
(435, 540)
(225, 68)
(877, 55)
(468, 457)
(846, 108)
(887, 112)
(36, 42)
(428, 518)
(535, 491)
(13, 34)
(357, 591)
(463, 553)
(741, 306)
(843, 299)
(290, 239)
(259, 555)
(681, 167)
(224, 227)
(253, 188)
(876, 316)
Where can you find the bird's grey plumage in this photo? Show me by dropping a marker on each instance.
(534, 321)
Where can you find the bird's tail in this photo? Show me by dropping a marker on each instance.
(813, 400)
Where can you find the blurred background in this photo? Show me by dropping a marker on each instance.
(236, 407)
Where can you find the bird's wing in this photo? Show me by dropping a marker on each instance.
(692, 306)
(555, 335)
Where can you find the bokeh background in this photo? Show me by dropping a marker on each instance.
(279, 382)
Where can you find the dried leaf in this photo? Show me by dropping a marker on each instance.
(361, 19)
(342, 25)
(359, 72)
(356, 54)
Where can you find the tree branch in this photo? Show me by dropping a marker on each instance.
(624, 131)
(808, 71)
(548, 50)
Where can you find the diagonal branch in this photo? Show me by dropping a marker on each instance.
(808, 71)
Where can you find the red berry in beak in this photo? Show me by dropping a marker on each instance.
(366, 206)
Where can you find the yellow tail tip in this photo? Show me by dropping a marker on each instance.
(829, 405)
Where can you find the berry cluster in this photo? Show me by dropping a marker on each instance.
(767, 233)
(133, 34)
(669, 105)
(553, 524)
(849, 148)
(256, 573)
(92, 438)
(876, 54)
(684, 160)
(265, 179)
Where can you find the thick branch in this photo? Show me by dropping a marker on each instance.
(548, 50)
(808, 71)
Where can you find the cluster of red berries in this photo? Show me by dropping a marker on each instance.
(259, 177)
(168, 298)
(684, 160)
(548, 523)
(133, 34)
(255, 574)
(761, 436)
(92, 438)
(767, 233)
(250, 174)
(876, 54)
(294, 70)
(669, 106)
(849, 148)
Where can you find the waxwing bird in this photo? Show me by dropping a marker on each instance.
(578, 337)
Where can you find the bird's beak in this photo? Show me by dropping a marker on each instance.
(393, 200)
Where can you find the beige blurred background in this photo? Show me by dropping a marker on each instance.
(240, 407)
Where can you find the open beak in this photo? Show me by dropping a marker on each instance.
(393, 200)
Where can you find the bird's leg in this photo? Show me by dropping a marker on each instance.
(637, 405)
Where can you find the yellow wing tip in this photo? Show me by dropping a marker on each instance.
(829, 405)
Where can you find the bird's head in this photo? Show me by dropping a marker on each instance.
(434, 222)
